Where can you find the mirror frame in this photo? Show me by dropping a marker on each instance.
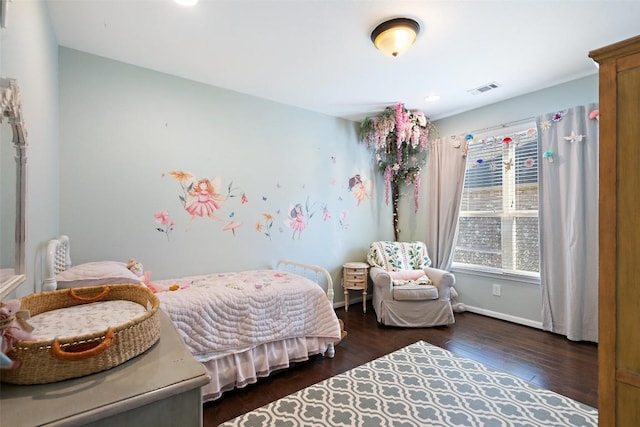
(11, 109)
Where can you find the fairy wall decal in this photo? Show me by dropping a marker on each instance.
(297, 220)
(298, 217)
(202, 197)
(358, 189)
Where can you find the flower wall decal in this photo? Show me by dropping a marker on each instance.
(164, 222)
(265, 227)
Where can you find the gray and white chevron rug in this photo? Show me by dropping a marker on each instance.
(421, 385)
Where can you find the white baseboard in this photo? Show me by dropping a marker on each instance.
(470, 308)
(503, 316)
(352, 301)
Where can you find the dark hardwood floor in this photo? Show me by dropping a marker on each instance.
(545, 359)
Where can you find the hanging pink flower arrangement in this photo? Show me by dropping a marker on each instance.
(399, 139)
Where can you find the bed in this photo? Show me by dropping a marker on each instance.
(240, 325)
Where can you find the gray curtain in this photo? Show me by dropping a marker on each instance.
(445, 178)
(568, 214)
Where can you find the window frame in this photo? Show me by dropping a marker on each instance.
(508, 216)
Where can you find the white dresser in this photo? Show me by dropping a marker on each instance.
(160, 387)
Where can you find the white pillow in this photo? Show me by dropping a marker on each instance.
(96, 274)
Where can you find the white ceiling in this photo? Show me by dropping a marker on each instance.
(318, 55)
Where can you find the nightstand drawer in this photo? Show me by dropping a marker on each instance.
(355, 277)
(355, 283)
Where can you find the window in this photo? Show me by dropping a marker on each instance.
(498, 225)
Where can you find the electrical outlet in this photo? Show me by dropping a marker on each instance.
(496, 290)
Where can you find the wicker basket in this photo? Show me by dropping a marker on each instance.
(55, 360)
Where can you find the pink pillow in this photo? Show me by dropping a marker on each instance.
(406, 274)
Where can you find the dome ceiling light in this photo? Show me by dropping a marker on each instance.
(395, 36)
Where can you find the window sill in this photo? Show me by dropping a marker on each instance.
(497, 274)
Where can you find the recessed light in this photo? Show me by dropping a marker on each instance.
(186, 2)
(432, 98)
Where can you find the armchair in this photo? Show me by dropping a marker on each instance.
(402, 295)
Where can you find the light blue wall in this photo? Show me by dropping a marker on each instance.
(29, 54)
(124, 128)
(531, 105)
(519, 301)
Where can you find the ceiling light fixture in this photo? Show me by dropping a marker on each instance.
(395, 36)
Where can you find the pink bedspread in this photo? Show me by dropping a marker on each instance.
(221, 314)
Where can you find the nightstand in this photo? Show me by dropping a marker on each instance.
(354, 277)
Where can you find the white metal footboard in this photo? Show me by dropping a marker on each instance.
(315, 273)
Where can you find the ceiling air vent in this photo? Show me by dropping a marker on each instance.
(484, 88)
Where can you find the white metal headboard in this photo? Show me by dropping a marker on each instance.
(57, 259)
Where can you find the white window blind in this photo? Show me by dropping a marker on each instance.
(498, 225)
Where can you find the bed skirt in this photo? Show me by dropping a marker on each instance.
(246, 367)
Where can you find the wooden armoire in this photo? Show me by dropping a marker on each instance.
(619, 234)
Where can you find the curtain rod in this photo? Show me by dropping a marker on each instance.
(504, 125)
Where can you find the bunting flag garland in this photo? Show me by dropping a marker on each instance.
(515, 139)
